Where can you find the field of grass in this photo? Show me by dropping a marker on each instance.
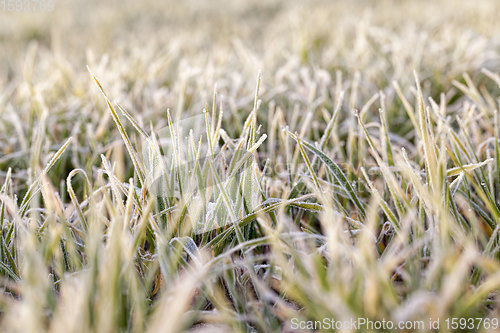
(259, 166)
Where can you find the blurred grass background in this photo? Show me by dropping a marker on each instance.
(421, 241)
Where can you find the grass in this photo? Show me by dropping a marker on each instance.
(165, 184)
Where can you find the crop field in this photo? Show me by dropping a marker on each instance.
(250, 166)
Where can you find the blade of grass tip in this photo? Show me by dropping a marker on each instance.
(331, 123)
(209, 132)
(491, 75)
(247, 155)
(375, 154)
(236, 155)
(293, 161)
(472, 92)
(128, 206)
(429, 152)
(117, 188)
(197, 168)
(466, 168)
(34, 188)
(248, 184)
(308, 164)
(251, 140)
(5, 185)
(361, 145)
(214, 105)
(73, 198)
(176, 146)
(132, 121)
(338, 174)
(386, 143)
(139, 168)
(216, 135)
